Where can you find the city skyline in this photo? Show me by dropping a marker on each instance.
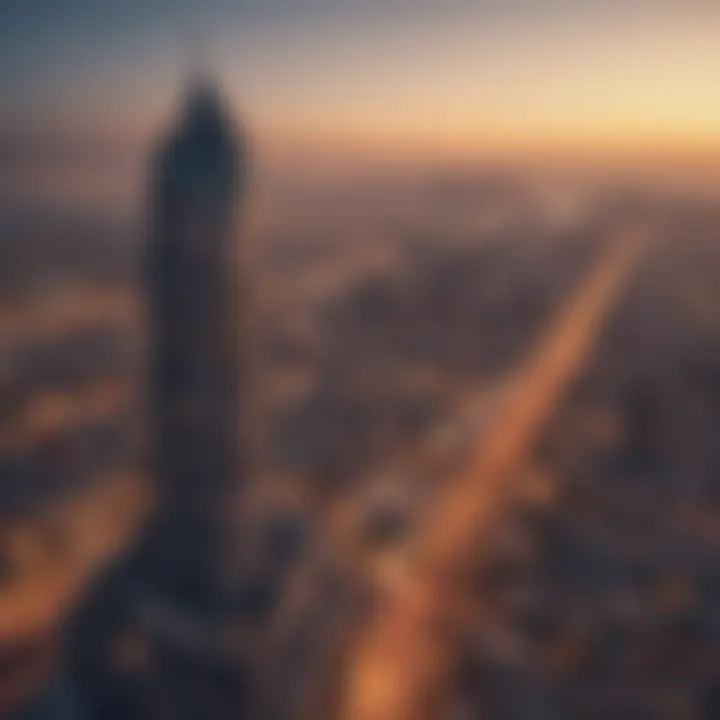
(360, 360)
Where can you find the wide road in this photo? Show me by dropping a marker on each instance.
(402, 663)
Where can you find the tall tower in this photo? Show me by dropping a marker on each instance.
(155, 639)
(197, 376)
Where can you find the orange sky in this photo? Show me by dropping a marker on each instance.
(566, 87)
(523, 77)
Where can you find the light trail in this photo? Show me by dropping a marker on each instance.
(401, 664)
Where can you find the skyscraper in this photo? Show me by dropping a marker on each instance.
(196, 363)
(155, 640)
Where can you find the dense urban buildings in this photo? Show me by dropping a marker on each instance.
(397, 313)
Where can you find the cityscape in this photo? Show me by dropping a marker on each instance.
(314, 434)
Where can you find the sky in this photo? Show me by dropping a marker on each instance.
(460, 75)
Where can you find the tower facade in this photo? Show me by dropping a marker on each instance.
(155, 638)
(196, 362)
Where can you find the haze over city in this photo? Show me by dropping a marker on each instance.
(359, 360)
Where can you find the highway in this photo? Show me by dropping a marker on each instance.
(401, 664)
